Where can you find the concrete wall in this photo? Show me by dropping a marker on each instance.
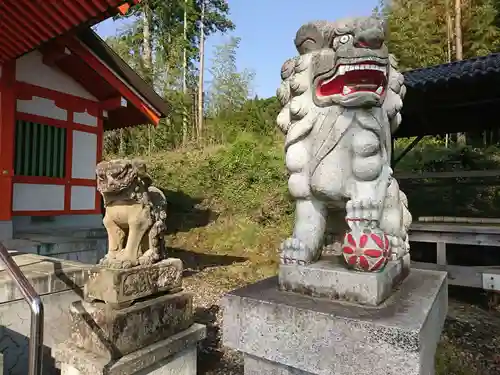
(59, 283)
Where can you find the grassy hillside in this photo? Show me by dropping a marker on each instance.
(228, 201)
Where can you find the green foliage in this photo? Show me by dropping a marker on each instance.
(168, 22)
(229, 88)
(418, 30)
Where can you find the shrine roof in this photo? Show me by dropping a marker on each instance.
(125, 97)
(124, 71)
(442, 74)
(461, 96)
(27, 24)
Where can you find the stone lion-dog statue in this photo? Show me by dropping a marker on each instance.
(341, 101)
(135, 214)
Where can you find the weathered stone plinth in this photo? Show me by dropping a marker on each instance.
(328, 278)
(175, 355)
(282, 333)
(122, 286)
(110, 333)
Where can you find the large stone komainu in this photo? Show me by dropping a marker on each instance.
(341, 103)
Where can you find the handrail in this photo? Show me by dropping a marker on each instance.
(36, 306)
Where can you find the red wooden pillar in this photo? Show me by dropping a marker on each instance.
(7, 132)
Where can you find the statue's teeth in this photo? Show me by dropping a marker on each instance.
(346, 90)
(379, 90)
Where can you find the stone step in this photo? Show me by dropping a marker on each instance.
(46, 274)
(65, 232)
(86, 250)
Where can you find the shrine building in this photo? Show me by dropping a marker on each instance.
(61, 87)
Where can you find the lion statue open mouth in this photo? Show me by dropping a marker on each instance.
(341, 101)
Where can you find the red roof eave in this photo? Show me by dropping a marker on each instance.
(27, 24)
(125, 90)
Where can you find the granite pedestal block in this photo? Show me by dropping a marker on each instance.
(120, 287)
(175, 355)
(109, 333)
(330, 279)
(283, 333)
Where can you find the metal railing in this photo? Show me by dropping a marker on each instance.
(35, 302)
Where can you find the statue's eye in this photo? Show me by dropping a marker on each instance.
(341, 39)
(344, 39)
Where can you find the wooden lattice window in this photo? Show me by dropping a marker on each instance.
(40, 150)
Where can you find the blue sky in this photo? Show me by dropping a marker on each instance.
(267, 29)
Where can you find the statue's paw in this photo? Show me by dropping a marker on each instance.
(119, 264)
(149, 257)
(361, 211)
(293, 251)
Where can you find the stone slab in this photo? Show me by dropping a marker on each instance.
(118, 286)
(174, 355)
(328, 278)
(258, 366)
(323, 337)
(47, 275)
(111, 333)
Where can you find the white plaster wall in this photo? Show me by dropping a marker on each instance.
(38, 197)
(84, 155)
(83, 197)
(31, 69)
(84, 118)
(42, 107)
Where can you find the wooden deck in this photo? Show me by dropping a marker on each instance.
(485, 277)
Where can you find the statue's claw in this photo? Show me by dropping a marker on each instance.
(363, 210)
(293, 251)
(118, 262)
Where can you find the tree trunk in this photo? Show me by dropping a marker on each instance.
(458, 30)
(202, 68)
(449, 37)
(147, 44)
(147, 50)
(184, 77)
(461, 137)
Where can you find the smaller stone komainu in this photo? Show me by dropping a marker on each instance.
(341, 101)
(135, 214)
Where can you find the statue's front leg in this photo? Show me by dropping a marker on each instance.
(305, 245)
(366, 246)
(116, 238)
(129, 257)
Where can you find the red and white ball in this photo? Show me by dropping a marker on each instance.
(367, 251)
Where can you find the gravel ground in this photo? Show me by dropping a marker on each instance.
(472, 331)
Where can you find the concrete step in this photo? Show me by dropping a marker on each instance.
(83, 249)
(59, 283)
(65, 232)
(46, 274)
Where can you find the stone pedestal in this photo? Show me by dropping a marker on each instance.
(120, 287)
(284, 333)
(134, 321)
(329, 278)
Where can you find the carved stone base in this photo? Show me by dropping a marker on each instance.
(120, 287)
(110, 333)
(292, 334)
(328, 278)
(175, 355)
